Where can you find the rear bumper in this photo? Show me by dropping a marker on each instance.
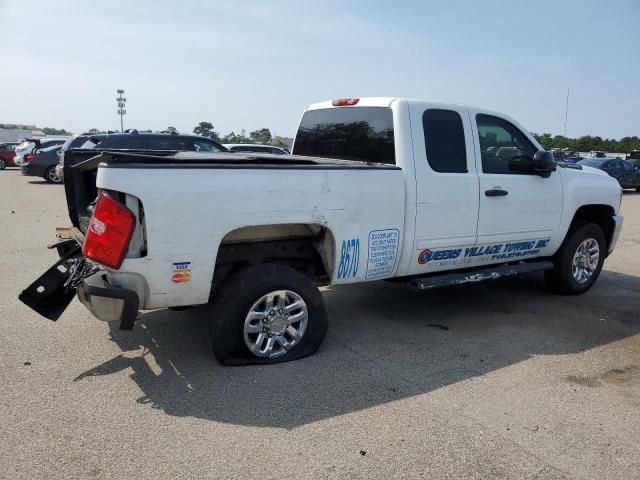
(109, 303)
(33, 169)
(617, 227)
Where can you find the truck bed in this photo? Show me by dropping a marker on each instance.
(81, 165)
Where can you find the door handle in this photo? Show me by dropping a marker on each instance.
(496, 192)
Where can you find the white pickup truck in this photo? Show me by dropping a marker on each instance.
(377, 188)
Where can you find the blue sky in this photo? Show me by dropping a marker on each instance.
(258, 64)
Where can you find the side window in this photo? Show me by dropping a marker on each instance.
(500, 142)
(444, 141)
(125, 142)
(204, 146)
(168, 143)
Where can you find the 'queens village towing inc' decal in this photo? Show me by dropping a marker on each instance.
(499, 251)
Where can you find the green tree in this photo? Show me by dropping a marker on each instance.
(206, 130)
(236, 138)
(545, 140)
(175, 130)
(262, 135)
(55, 131)
(93, 130)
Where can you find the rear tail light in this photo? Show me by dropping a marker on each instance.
(345, 102)
(109, 233)
(29, 158)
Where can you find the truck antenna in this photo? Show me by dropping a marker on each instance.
(566, 114)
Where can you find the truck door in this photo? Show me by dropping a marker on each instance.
(446, 187)
(519, 210)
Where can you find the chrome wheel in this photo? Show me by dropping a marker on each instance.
(275, 323)
(585, 260)
(52, 177)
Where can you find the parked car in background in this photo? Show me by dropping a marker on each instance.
(627, 173)
(30, 144)
(42, 162)
(7, 154)
(85, 140)
(634, 157)
(565, 155)
(135, 140)
(255, 148)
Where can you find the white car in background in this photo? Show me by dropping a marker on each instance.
(255, 148)
(27, 146)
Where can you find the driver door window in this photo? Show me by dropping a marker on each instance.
(500, 142)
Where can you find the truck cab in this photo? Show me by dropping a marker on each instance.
(473, 193)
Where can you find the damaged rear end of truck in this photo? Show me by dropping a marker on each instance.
(107, 226)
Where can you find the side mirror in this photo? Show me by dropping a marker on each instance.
(544, 163)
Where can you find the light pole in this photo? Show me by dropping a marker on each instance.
(121, 108)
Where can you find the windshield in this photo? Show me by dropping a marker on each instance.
(351, 133)
(592, 162)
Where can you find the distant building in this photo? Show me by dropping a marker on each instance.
(15, 134)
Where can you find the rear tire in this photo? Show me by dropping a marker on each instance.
(579, 261)
(50, 175)
(293, 325)
(3, 164)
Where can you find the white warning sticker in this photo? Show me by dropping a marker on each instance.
(383, 251)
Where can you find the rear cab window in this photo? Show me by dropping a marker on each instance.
(362, 134)
(444, 141)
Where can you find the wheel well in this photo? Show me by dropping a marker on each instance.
(307, 248)
(598, 214)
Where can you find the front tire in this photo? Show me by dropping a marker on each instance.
(50, 175)
(579, 261)
(267, 314)
(3, 164)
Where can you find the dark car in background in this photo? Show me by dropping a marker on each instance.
(7, 154)
(135, 140)
(42, 162)
(627, 173)
(256, 148)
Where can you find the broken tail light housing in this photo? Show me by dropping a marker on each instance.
(109, 233)
(345, 102)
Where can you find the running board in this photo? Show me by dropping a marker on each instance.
(491, 273)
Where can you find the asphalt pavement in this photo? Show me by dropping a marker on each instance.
(495, 380)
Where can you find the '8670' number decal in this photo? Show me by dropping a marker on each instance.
(349, 258)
